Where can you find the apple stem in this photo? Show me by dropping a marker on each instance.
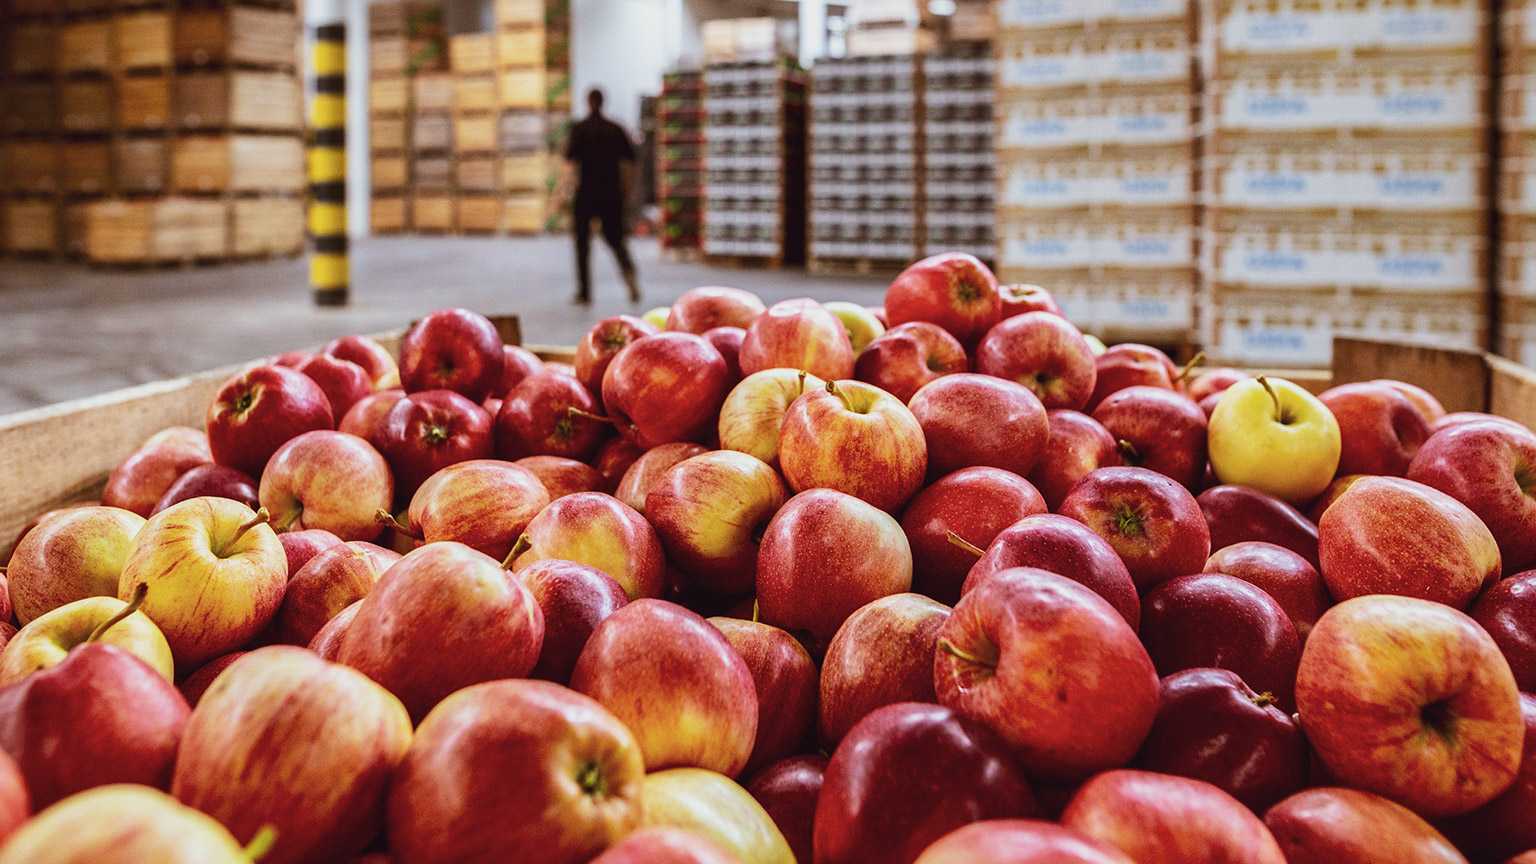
(803, 373)
(757, 612)
(518, 548)
(140, 591)
(949, 648)
(1263, 700)
(832, 388)
(957, 540)
(573, 411)
(387, 519)
(262, 843)
(1128, 451)
(1190, 366)
(263, 516)
(1264, 382)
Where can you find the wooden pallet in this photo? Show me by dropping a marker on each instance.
(856, 266)
(745, 262)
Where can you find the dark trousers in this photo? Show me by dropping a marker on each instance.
(611, 212)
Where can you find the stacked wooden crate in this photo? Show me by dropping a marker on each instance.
(1517, 184)
(680, 162)
(1346, 170)
(755, 152)
(888, 27)
(409, 127)
(33, 171)
(533, 75)
(476, 133)
(1097, 161)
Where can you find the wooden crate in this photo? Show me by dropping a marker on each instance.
(164, 229)
(143, 102)
(472, 53)
(432, 213)
(387, 133)
(519, 13)
(529, 173)
(33, 48)
(475, 133)
(31, 226)
(87, 106)
(267, 226)
(74, 6)
(238, 163)
(74, 229)
(239, 99)
(479, 214)
(386, 214)
(388, 95)
(21, 8)
(533, 46)
(237, 35)
(388, 56)
(432, 174)
(143, 165)
(474, 94)
(33, 106)
(391, 172)
(432, 92)
(32, 167)
(86, 167)
(525, 214)
(477, 174)
(386, 19)
(85, 46)
(430, 132)
(142, 40)
(533, 88)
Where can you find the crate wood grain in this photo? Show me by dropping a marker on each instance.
(386, 214)
(142, 40)
(87, 106)
(432, 174)
(475, 133)
(472, 53)
(239, 100)
(479, 214)
(431, 132)
(22, 8)
(519, 13)
(143, 165)
(31, 227)
(389, 95)
(528, 173)
(86, 167)
(432, 213)
(33, 48)
(238, 163)
(474, 94)
(389, 173)
(477, 174)
(267, 226)
(388, 55)
(525, 47)
(432, 92)
(524, 214)
(143, 102)
(237, 35)
(85, 46)
(32, 167)
(33, 106)
(387, 133)
(161, 230)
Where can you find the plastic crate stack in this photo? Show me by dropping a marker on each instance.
(864, 163)
(1096, 161)
(959, 151)
(1517, 184)
(1346, 175)
(754, 134)
(680, 162)
(409, 131)
(533, 58)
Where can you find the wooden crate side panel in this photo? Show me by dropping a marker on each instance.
(388, 95)
(117, 232)
(87, 106)
(142, 165)
(143, 40)
(432, 92)
(387, 214)
(31, 226)
(472, 53)
(476, 133)
(479, 214)
(432, 173)
(85, 46)
(200, 163)
(474, 93)
(266, 100)
(389, 172)
(87, 166)
(1459, 378)
(432, 132)
(185, 229)
(386, 133)
(202, 101)
(32, 166)
(268, 226)
(265, 37)
(143, 102)
(267, 163)
(33, 48)
(432, 212)
(476, 174)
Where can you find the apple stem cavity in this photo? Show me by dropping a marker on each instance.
(387, 519)
(1263, 700)
(1440, 718)
(263, 516)
(262, 843)
(948, 647)
(1128, 452)
(140, 591)
(573, 411)
(833, 389)
(957, 540)
(1279, 411)
(591, 780)
(518, 548)
(1189, 367)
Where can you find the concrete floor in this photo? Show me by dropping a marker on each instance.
(68, 331)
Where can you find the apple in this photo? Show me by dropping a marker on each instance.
(1151, 521)
(517, 363)
(1043, 352)
(788, 790)
(1379, 428)
(860, 323)
(549, 414)
(1456, 418)
(883, 654)
(1019, 841)
(642, 475)
(515, 771)
(1275, 437)
(823, 556)
(953, 290)
(905, 776)
(561, 476)
(45, 641)
(367, 353)
(854, 438)
(908, 356)
(15, 805)
(1322, 502)
(1066, 547)
(702, 309)
(1448, 555)
(334, 579)
(485, 504)
(1077, 446)
(290, 359)
(219, 481)
(327, 643)
(605, 339)
(1213, 382)
(1332, 825)
(1491, 468)
(710, 511)
(715, 808)
(975, 504)
(1236, 514)
(257, 411)
(195, 685)
(1284, 575)
(665, 387)
(1508, 612)
(785, 679)
(69, 555)
(1503, 827)
(344, 383)
(752, 416)
(1157, 429)
(300, 546)
(216, 574)
(328, 480)
(1018, 299)
(362, 419)
(1130, 364)
(452, 349)
(676, 682)
(1157, 817)
(1422, 399)
(142, 479)
(1378, 671)
(441, 618)
(600, 531)
(575, 599)
(1050, 667)
(122, 823)
(970, 419)
(665, 846)
(727, 340)
(798, 334)
(1208, 407)
(657, 316)
(427, 431)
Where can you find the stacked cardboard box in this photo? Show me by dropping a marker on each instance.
(409, 127)
(1096, 167)
(959, 150)
(754, 134)
(1346, 174)
(887, 27)
(533, 62)
(748, 40)
(680, 161)
(1517, 184)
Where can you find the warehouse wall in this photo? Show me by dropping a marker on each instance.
(622, 46)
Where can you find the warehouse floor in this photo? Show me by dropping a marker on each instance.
(72, 331)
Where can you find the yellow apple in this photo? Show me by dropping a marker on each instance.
(123, 823)
(47, 639)
(1271, 435)
(1095, 344)
(712, 805)
(862, 325)
(658, 316)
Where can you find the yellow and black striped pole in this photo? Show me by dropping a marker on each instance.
(329, 271)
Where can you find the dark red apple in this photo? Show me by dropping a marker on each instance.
(1130, 364)
(727, 340)
(1043, 352)
(218, 481)
(258, 410)
(1078, 445)
(575, 599)
(1283, 574)
(428, 431)
(597, 348)
(785, 678)
(883, 654)
(345, 383)
(1237, 514)
(975, 504)
(1491, 468)
(970, 419)
(953, 290)
(1380, 429)
(788, 790)
(452, 349)
(549, 414)
(1151, 521)
(517, 363)
(613, 459)
(1508, 612)
(904, 358)
(666, 387)
(1067, 548)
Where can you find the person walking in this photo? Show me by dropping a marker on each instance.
(602, 157)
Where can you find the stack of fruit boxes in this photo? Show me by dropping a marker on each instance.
(533, 63)
(1517, 183)
(476, 168)
(409, 100)
(1096, 161)
(1346, 175)
(33, 177)
(959, 152)
(680, 161)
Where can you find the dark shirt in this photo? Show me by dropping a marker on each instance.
(597, 145)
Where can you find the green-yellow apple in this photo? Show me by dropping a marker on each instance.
(69, 555)
(710, 512)
(140, 480)
(855, 438)
(657, 316)
(753, 413)
(714, 806)
(600, 531)
(46, 641)
(862, 325)
(287, 740)
(1095, 344)
(124, 823)
(216, 574)
(1159, 817)
(1274, 436)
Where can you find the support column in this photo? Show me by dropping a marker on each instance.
(329, 269)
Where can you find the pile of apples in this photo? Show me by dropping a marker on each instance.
(750, 585)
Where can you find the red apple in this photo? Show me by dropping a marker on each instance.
(1422, 399)
(428, 431)
(972, 419)
(290, 359)
(666, 387)
(703, 309)
(907, 356)
(883, 654)
(300, 546)
(727, 340)
(1333, 826)
(798, 334)
(854, 438)
(257, 411)
(575, 599)
(788, 790)
(345, 383)
(1284, 575)
(953, 290)
(1078, 445)
(753, 413)
(1019, 841)
(452, 349)
(1508, 612)
(1151, 521)
(69, 555)
(1043, 352)
(600, 531)
(785, 679)
(486, 504)
(1066, 547)
(1215, 381)
(196, 684)
(1128, 365)
(1018, 299)
(517, 363)
(612, 460)
(975, 504)
(362, 419)
(1157, 817)
(1157, 429)
(367, 353)
(1456, 418)
(219, 481)
(606, 338)
(334, 579)
(1503, 827)
(905, 776)
(549, 414)
(143, 478)
(1379, 427)
(1386, 535)
(1379, 671)
(710, 511)
(15, 804)
(664, 845)
(561, 476)
(1050, 667)
(642, 475)
(1238, 514)
(327, 643)
(328, 480)
(1491, 468)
